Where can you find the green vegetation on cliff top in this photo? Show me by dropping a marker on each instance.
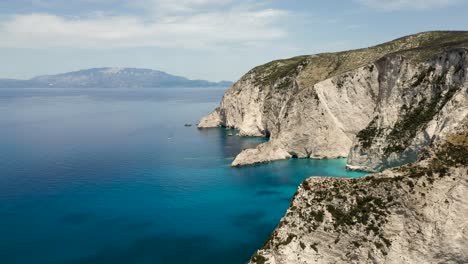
(310, 69)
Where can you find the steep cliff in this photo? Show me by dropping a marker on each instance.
(377, 106)
(418, 105)
(415, 213)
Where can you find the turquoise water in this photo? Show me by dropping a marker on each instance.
(113, 176)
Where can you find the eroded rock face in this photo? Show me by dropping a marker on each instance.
(397, 97)
(415, 213)
(417, 106)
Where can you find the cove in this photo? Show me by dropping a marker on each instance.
(114, 176)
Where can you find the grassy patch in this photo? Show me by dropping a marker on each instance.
(279, 72)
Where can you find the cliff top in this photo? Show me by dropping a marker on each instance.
(313, 68)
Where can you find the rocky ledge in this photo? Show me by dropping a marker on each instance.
(378, 106)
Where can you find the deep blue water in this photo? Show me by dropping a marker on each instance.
(113, 176)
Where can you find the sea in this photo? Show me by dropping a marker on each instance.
(114, 176)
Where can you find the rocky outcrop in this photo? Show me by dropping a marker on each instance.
(214, 119)
(415, 213)
(377, 106)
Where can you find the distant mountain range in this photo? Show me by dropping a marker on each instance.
(110, 78)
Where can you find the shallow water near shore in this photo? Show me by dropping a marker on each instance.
(114, 176)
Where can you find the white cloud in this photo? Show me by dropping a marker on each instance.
(185, 25)
(166, 6)
(391, 5)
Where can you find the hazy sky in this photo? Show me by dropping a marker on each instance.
(205, 39)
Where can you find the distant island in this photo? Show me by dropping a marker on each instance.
(110, 78)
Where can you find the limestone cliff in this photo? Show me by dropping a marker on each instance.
(417, 213)
(377, 106)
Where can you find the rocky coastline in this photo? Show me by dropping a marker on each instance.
(400, 110)
(378, 106)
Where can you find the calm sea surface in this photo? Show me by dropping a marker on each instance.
(113, 176)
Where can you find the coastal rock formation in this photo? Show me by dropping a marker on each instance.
(402, 102)
(378, 106)
(416, 213)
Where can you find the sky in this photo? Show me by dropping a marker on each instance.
(202, 39)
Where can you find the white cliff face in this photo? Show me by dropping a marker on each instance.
(314, 106)
(416, 107)
(244, 107)
(312, 122)
(320, 121)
